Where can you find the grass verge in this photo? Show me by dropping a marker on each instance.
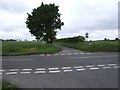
(8, 86)
(26, 48)
(94, 46)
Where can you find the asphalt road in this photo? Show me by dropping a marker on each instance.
(69, 68)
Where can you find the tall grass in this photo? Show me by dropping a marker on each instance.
(8, 86)
(94, 46)
(18, 48)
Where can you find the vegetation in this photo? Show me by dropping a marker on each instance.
(25, 48)
(8, 86)
(73, 39)
(43, 22)
(93, 46)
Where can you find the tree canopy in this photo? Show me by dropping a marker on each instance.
(44, 21)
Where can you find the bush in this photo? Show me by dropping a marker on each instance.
(73, 39)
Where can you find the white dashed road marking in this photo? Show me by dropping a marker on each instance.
(66, 67)
(106, 67)
(68, 70)
(55, 54)
(116, 67)
(94, 68)
(40, 68)
(48, 55)
(53, 68)
(57, 70)
(102, 65)
(54, 71)
(75, 53)
(24, 72)
(11, 73)
(41, 55)
(82, 53)
(88, 53)
(112, 64)
(64, 53)
(80, 69)
(26, 69)
(69, 54)
(2, 70)
(39, 72)
(90, 66)
(13, 70)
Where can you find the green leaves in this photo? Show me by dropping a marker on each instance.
(44, 19)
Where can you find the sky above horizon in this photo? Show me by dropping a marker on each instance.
(97, 17)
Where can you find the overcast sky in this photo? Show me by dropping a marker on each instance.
(97, 17)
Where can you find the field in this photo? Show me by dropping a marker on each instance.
(26, 48)
(94, 46)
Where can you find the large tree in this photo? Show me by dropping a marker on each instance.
(44, 21)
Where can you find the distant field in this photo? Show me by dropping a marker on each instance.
(26, 48)
(94, 46)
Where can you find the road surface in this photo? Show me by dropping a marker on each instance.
(69, 68)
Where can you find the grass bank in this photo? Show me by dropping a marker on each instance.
(94, 46)
(8, 86)
(26, 48)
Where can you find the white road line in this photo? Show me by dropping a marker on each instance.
(0, 73)
(2, 70)
(68, 70)
(62, 54)
(116, 67)
(80, 69)
(111, 64)
(88, 53)
(54, 71)
(39, 72)
(6, 60)
(82, 53)
(76, 53)
(26, 69)
(94, 68)
(92, 57)
(69, 53)
(41, 55)
(55, 54)
(90, 66)
(11, 73)
(24, 72)
(48, 55)
(53, 68)
(40, 68)
(106, 67)
(13, 70)
(66, 67)
(102, 65)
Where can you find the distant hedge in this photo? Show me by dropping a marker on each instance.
(72, 39)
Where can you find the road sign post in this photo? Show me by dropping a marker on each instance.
(86, 36)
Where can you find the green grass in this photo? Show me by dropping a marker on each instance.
(94, 46)
(8, 86)
(26, 48)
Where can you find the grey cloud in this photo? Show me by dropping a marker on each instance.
(78, 17)
(100, 16)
